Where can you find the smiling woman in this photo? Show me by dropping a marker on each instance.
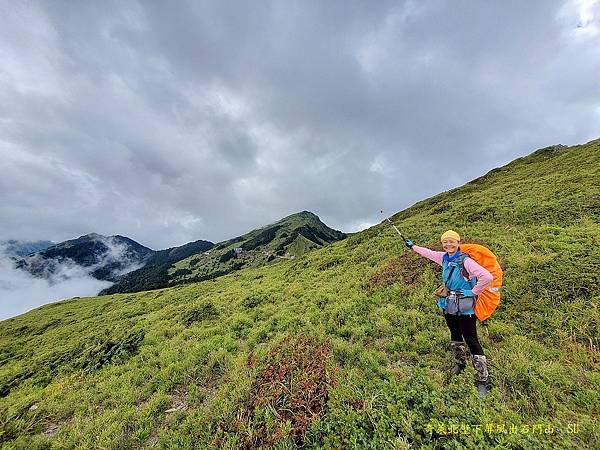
(458, 305)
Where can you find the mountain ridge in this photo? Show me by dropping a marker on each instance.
(289, 237)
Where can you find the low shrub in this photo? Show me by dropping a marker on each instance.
(289, 393)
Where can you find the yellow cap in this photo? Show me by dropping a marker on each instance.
(450, 234)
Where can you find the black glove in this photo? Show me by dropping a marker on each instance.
(409, 243)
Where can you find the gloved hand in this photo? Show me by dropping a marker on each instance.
(409, 243)
(466, 293)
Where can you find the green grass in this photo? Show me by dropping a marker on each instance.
(206, 346)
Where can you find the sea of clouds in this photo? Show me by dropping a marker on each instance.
(20, 291)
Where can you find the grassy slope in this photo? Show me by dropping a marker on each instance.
(540, 214)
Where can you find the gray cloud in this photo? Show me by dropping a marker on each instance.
(201, 121)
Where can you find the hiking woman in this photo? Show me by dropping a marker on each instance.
(459, 273)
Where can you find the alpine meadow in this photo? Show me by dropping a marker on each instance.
(340, 347)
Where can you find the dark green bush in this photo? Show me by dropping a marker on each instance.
(205, 311)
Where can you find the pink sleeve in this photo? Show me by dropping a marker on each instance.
(484, 277)
(436, 257)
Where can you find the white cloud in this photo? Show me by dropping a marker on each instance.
(20, 291)
(358, 225)
(580, 19)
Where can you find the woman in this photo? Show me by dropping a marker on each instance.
(459, 305)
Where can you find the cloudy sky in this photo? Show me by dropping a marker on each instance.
(174, 121)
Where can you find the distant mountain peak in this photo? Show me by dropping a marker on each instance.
(303, 214)
(287, 238)
(103, 257)
(93, 236)
(300, 217)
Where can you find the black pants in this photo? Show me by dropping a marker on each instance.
(464, 327)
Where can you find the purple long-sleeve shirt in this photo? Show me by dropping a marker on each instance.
(484, 277)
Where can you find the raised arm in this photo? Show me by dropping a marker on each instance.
(484, 277)
(436, 257)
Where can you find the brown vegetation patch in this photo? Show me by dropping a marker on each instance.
(52, 428)
(178, 402)
(472, 241)
(408, 267)
(356, 404)
(293, 383)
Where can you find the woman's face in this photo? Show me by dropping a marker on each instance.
(450, 245)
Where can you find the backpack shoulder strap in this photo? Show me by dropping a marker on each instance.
(464, 272)
(449, 276)
(461, 264)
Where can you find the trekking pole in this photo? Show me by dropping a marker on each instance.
(397, 230)
(408, 242)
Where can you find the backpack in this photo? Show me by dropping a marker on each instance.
(489, 299)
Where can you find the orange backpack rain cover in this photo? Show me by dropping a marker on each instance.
(488, 300)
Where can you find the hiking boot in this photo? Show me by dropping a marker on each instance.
(481, 374)
(460, 356)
